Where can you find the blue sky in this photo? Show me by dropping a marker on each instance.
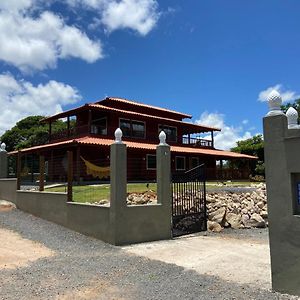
(214, 59)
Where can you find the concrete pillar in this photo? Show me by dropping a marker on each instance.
(163, 177)
(281, 146)
(3, 164)
(118, 186)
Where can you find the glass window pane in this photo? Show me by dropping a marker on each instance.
(151, 161)
(125, 127)
(180, 163)
(171, 132)
(138, 129)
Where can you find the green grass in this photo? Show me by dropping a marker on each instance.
(95, 193)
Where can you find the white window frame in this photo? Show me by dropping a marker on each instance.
(176, 163)
(147, 155)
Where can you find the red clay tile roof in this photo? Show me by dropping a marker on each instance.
(135, 103)
(135, 145)
(191, 126)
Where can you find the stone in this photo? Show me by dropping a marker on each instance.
(6, 205)
(214, 226)
(234, 220)
(219, 215)
(260, 204)
(257, 221)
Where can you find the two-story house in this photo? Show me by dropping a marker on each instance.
(90, 132)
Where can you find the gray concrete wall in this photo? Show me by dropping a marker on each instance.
(90, 220)
(49, 206)
(118, 224)
(282, 148)
(8, 189)
(144, 223)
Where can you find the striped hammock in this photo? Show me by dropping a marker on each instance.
(94, 170)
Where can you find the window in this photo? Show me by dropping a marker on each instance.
(151, 161)
(180, 163)
(138, 129)
(171, 132)
(125, 126)
(132, 128)
(194, 162)
(99, 126)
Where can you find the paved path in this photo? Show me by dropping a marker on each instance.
(68, 265)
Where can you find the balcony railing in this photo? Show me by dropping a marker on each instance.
(197, 142)
(84, 130)
(72, 132)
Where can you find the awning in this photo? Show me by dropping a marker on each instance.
(93, 141)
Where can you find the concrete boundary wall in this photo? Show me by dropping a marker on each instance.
(118, 224)
(8, 189)
(282, 146)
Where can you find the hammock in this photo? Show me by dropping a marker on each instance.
(95, 170)
(25, 171)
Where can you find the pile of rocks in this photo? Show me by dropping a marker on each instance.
(237, 210)
(148, 197)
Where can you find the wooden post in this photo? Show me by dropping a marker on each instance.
(212, 139)
(70, 176)
(42, 173)
(50, 131)
(78, 164)
(32, 168)
(90, 121)
(68, 124)
(19, 170)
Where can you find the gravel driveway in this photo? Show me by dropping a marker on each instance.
(69, 265)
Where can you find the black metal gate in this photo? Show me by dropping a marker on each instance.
(189, 201)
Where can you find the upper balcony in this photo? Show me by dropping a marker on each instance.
(101, 132)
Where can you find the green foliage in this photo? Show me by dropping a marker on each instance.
(255, 147)
(29, 132)
(295, 104)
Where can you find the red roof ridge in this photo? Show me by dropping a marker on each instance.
(134, 102)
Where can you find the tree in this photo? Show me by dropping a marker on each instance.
(295, 104)
(29, 132)
(255, 147)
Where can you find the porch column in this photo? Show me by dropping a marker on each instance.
(68, 124)
(89, 121)
(221, 168)
(50, 130)
(212, 138)
(70, 176)
(19, 170)
(42, 173)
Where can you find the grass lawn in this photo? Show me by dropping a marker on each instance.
(95, 193)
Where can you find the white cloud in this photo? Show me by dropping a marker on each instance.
(245, 122)
(138, 15)
(37, 43)
(19, 98)
(228, 136)
(286, 95)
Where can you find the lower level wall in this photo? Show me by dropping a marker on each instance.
(8, 189)
(135, 223)
(144, 223)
